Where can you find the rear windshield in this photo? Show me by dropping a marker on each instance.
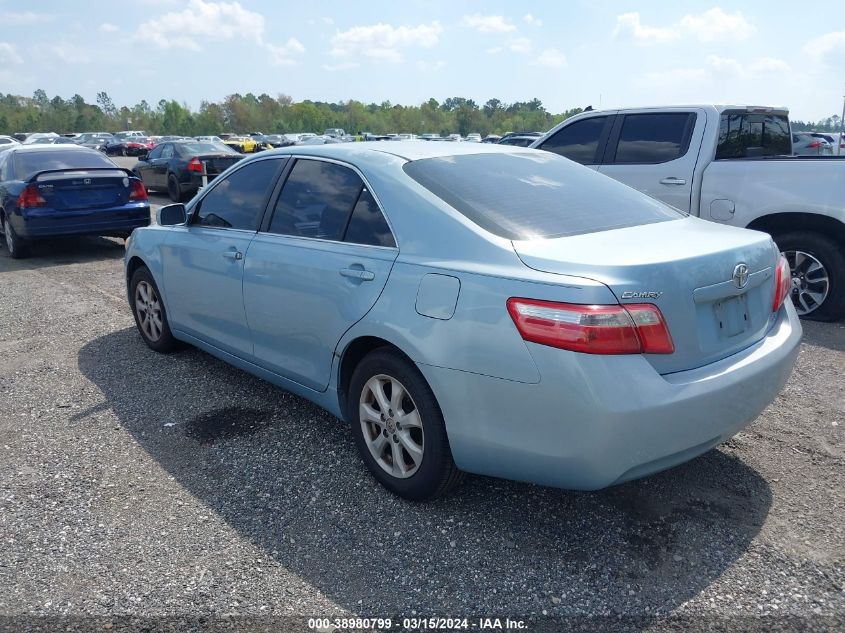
(530, 195)
(747, 135)
(29, 163)
(204, 148)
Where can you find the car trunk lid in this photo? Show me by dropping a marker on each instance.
(685, 267)
(74, 189)
(218, 163)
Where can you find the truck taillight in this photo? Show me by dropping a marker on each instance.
(783, 283)
(195, 165)
(31, 197)
(138, 191)
(592, 329)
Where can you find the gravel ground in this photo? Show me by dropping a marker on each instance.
(136, 484)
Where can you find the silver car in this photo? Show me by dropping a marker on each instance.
(807, 144)
(469, 307)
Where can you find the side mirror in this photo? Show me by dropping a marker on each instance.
(171, 214)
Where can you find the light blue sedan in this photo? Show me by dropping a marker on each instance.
(474, 308)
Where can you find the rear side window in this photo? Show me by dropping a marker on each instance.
(237, 201)
(579, 141)
(531, 195)
(747, 135)
(653, 138)
(316, 200)
(27, 164)
(367, 224)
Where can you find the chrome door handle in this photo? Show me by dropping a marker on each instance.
(236, 255)
(673, 181)
(358, 273)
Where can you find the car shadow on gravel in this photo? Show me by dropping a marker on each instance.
(61, 251)
(829, 335)
(285, 475)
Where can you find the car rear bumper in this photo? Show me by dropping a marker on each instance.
(38, 223)
(594, 421)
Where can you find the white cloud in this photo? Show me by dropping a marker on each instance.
(520, 45)
(65, 53)
(488, 23)
(724, 65)
(11, 18)
(552, 58)
(215, 21)
(769, 65)
(340, 66)
(9, 55)
(495, 50)
(383, 42)
(629, 26)
(714, 24)
(531, 20)
(284, 55)
(826, 47)
(710, 26)
(425, 66)
(107, 27)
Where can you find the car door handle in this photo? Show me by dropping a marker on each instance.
(236, 255)
(673, 181)
(358, 273)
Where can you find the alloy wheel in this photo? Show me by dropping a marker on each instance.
(392, 426)
(148, 309)
(810, 281)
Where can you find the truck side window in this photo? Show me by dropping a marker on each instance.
(749, 135)
(579, 141)
(653, 138)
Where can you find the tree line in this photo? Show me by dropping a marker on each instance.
(248, 113)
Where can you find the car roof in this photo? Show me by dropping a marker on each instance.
(64, 147)
(408, 150)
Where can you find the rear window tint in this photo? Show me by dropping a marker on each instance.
(29, 163)
(535, 194)
(750, 135)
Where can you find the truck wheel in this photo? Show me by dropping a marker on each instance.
(818, 274)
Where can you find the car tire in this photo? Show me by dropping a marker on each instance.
(814, 256)
(150, 313)
(174, 190)
(17, 247)
(406, 449)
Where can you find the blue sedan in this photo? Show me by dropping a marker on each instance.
(474, 308)
(53, 190)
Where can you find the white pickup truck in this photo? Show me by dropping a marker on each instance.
(729, 164)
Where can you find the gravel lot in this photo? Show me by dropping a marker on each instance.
(133, 483)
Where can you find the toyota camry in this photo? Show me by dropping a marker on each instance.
(474, 308)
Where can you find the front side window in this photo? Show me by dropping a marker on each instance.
(237, 201)
(654, 138)
(578, 141)
(155, 153)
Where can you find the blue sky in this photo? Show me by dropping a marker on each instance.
(567, 54)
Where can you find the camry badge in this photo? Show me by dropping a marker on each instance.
(630, 294)
(740, 276)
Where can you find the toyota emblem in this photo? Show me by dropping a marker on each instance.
(740, 276)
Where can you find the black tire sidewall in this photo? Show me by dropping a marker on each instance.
(437, 458)
(173, 190)
(21, 248)
(166, 343)
(830, 254)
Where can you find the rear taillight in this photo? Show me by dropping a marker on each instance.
(815, 144)
(195, 165)
(592, 329)
(783, 283)
(138, 192)
(31, 197)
